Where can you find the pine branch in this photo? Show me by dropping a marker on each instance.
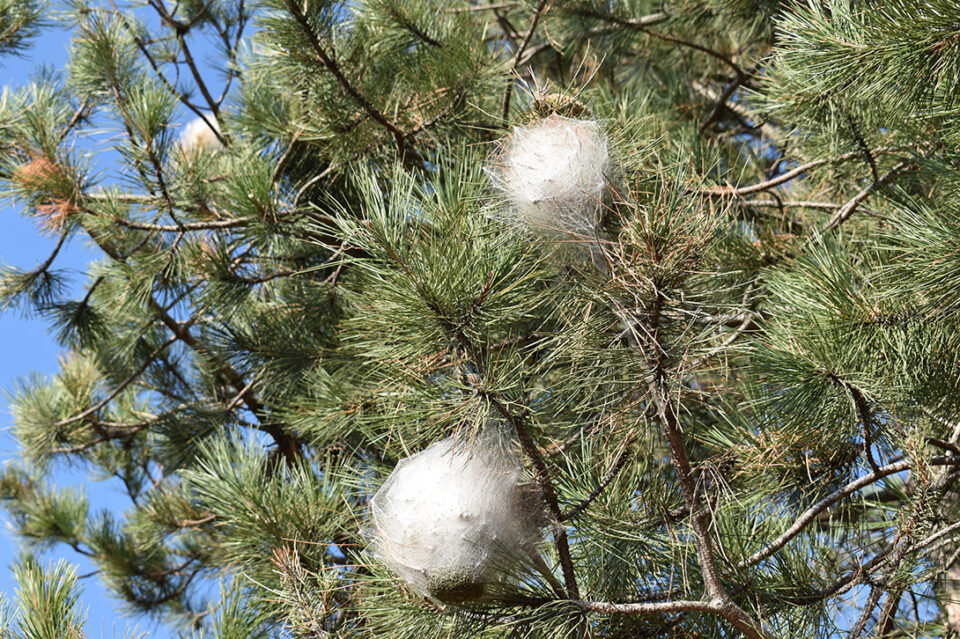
(809, 515)
(848, 209)
(659, 393)
(888, 614)
(549, 492)
(347, 86)
(78, 115)
(804, 204)
(789, 175)
(119, 388)
(643, 25)
(198, 78)
(182, 228)
(282, 162)
(181, 29)
(407, 24)
(855, 130)
(47, 263)
(288, 445)
(655, 608)
(721, 102)
(596, 492)
(866, 420)
(120, 431)
(542, 6)
(872, 600)
(765, 127)
(141, 45)
(640, 23)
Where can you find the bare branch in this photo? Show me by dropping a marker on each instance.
(789, 175)
(847, 209)
(807, 517)
(654, 608)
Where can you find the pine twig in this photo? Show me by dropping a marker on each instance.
(119, 389)
(700, 517)
(730, 190)
(807, 517)
(847, 209)
(518, 55)
(596, 492)
(331, 65)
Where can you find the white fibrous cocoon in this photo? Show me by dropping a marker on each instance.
(453, 519)
(554, 173)
(198, 135)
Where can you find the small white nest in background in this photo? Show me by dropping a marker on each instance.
(197, 135)
(452, 520)
(554, 173)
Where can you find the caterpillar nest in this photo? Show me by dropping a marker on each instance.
(554, 173)
(453, 521)
(198, 135)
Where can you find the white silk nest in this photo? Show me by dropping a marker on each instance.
(554, 173)
(197, 135)
(454, 519)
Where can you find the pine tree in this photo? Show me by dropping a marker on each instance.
(695, 262)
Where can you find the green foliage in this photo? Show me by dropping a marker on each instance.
(20, 20)
(739, 402)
